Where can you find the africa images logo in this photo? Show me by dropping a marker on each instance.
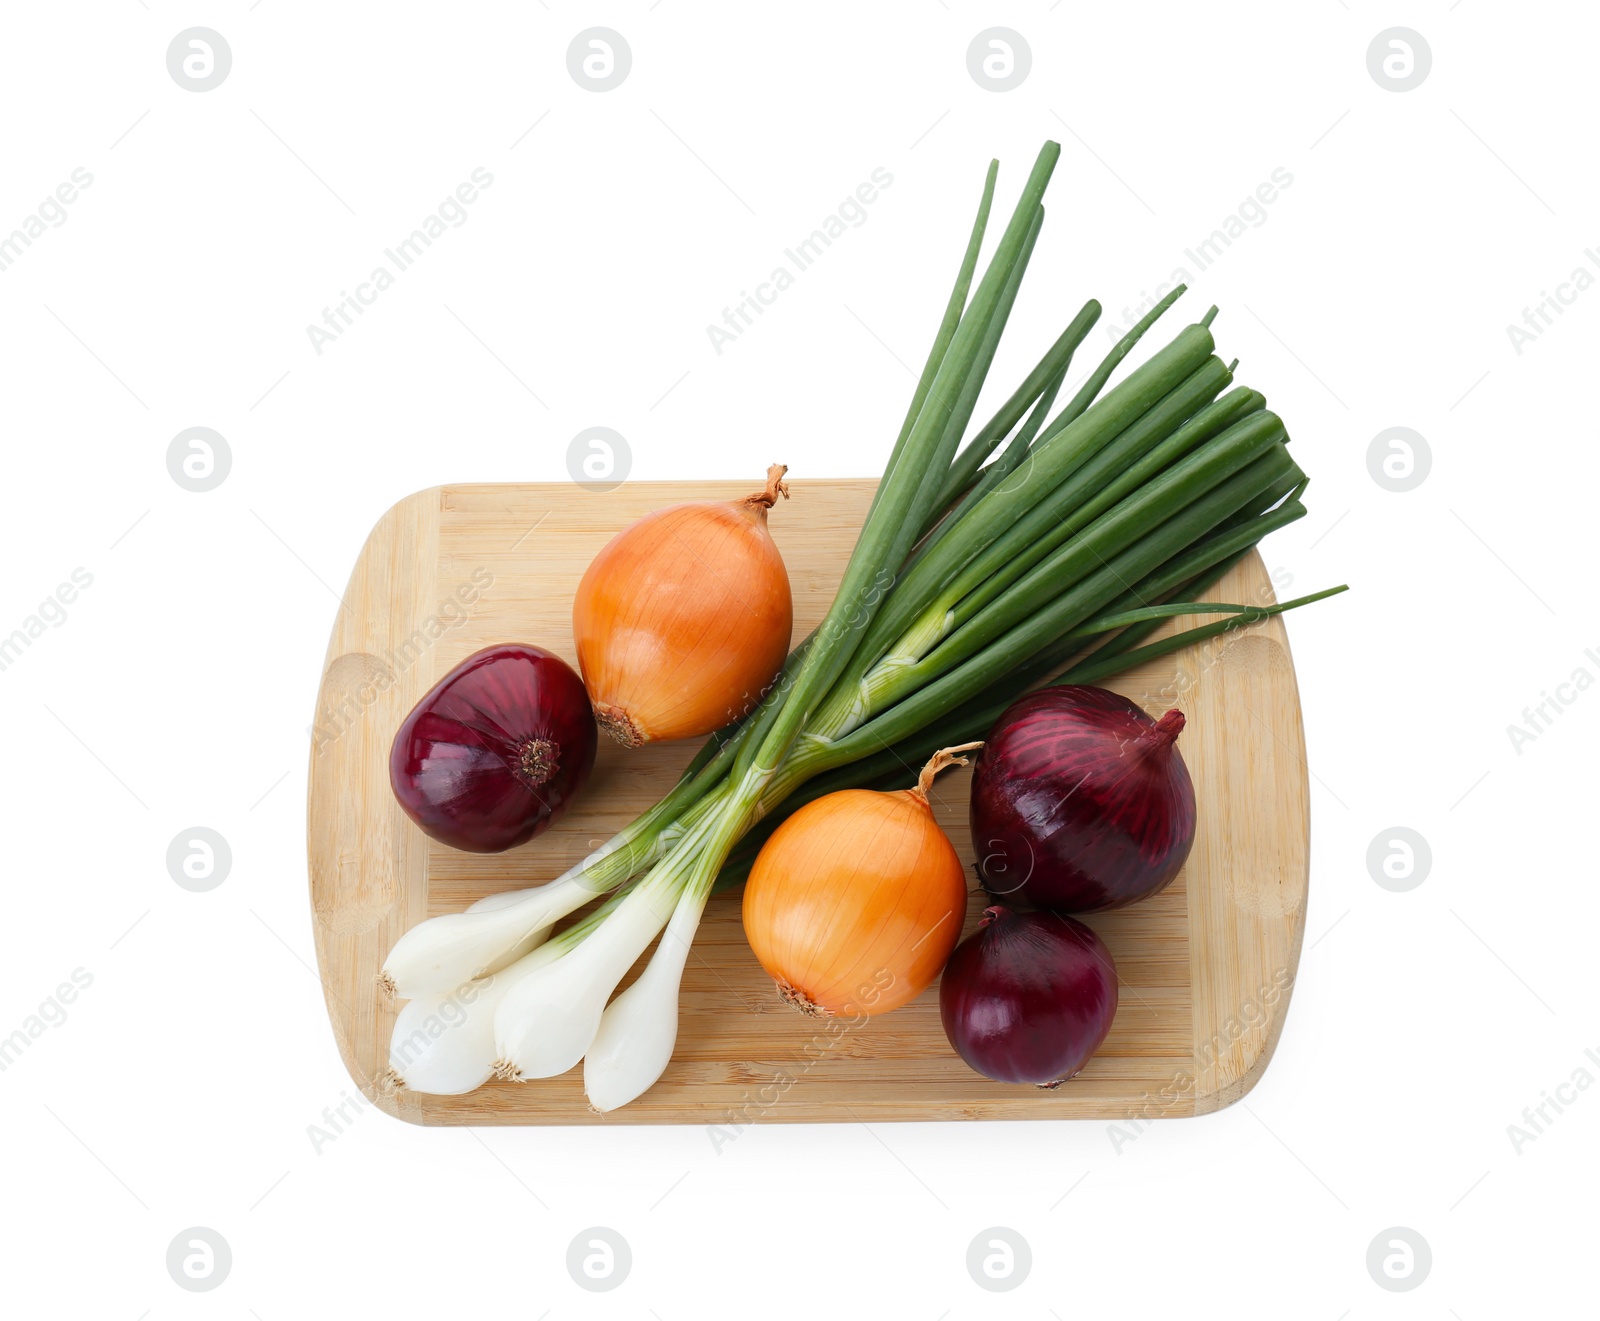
(451, 213)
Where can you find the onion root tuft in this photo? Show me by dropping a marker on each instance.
(537, 761)
(619, 725)
(795, 998)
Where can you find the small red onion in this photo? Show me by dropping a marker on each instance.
(1028, 997)
(1081, 802)
(499, 746)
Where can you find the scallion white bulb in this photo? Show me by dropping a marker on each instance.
(443, 1043)
(640, 1027)
(546, 1022)
(438, 955)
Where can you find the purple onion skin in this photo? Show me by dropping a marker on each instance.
(1081, 802)
(1028, 997)
(499, 746)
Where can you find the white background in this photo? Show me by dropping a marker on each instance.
(180, 1088)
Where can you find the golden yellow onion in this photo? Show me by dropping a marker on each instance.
(856, 901)
(684, 618)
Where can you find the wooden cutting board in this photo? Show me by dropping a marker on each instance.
(1205, 968)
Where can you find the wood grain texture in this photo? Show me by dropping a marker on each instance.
(1205, 969)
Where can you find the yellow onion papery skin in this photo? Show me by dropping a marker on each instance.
(856, 901)
(684, 618)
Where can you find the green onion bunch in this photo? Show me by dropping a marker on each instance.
(1054, 543)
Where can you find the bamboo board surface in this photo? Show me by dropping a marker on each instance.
(1205, 968)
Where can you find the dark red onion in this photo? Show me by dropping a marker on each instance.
(1028, 997)
(499, 746)
(1080, 801)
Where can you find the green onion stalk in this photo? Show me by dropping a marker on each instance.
(1045, 542)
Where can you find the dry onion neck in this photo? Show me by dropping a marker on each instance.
(941, 760)
(776, 486)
